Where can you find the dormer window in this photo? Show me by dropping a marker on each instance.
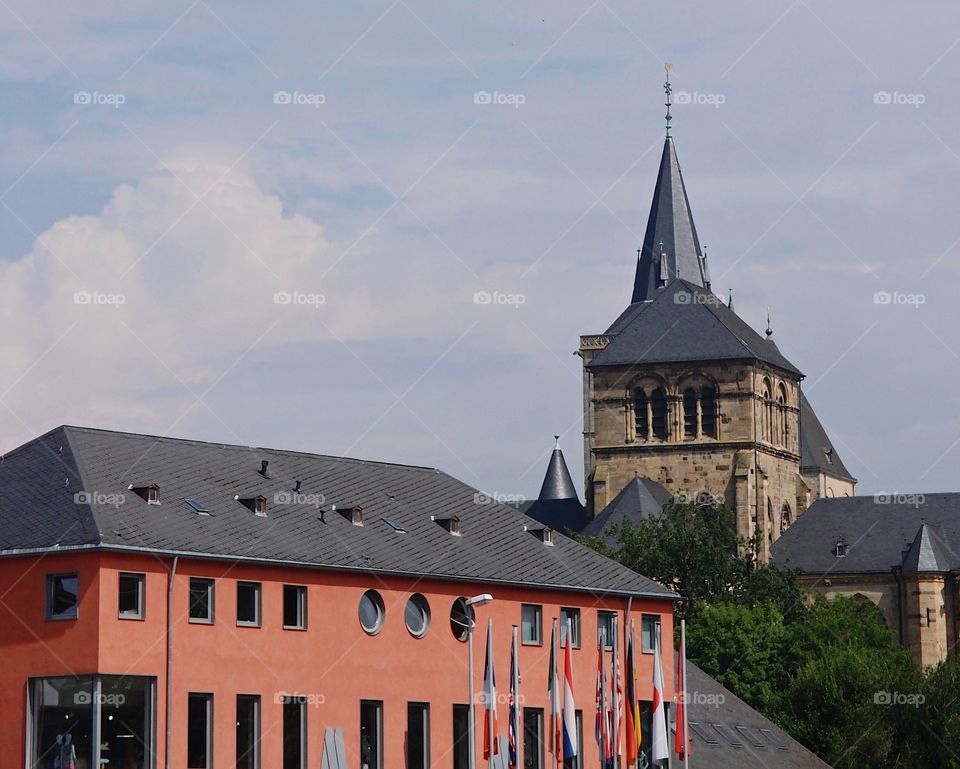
(257, 504)
(840, 549)
(150, 493)
(451, 524)
(353, 513)
(544, 534)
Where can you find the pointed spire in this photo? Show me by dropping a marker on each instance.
(557, 483)
(670, 223)
(769, 331)
(730, 298)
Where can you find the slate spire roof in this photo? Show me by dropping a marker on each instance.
(928, 552)
(671, 248)
(557, 483)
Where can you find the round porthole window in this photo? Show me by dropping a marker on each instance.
(417, 615)
(371, 612)
(461, 617)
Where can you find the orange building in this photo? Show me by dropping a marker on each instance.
(171, 603)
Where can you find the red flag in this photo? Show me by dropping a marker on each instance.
(489, 699)
(631, 711)
(681, 741)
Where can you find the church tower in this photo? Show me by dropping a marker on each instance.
(681, 391)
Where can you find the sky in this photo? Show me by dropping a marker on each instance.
(276, 225)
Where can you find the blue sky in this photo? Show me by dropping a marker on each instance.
(820, 148)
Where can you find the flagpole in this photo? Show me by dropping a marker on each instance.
(686, 701)
(515, 697)
(616, 696)
(491, 706)
(554, 720)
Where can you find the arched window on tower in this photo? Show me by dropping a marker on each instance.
(766, 411)
(769, 520)
(784, 433)
(641, 414)
(690, 413)
(786, 517)
(708, 412)
(658, 408)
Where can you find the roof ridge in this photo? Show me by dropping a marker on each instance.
(239, 446)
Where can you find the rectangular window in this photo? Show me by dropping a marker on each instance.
(199, 731)
(63, 596)
(605, 629)
(295, 607)
(531, 624)
(248, 604)
(573, 615)
(201, 600)
(577, 761)
(131, 596)
(248, 731)
(533, 743)
(294, 733)
(371, 734)
(418, 735)
(461, 737)
(120, 706)
(649, 632)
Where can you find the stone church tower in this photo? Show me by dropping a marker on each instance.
(681, 391)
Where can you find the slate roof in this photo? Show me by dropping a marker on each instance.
(558, 505)
(878, 534)
(685, 322)
(39, 512)
(639, 499)
(763, 745)
(816, 450)
(671, 223)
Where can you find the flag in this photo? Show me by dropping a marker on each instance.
(631, 715)
(659, 748)
(616, 714)
(599, 729)
(553, 690)
(570, 740)
(489, 698)
(514, 726)
(682, 741)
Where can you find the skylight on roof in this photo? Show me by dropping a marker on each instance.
(727, 733)
(774, 739)
(703, 734)
(394, 524)
(751, 736)
(197, 506)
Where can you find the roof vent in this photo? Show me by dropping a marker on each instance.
(264, 464)
(150, 493)
(451, 524)
(296, 487)
(257, 504)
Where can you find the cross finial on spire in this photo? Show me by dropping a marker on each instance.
(667, 66)
(556, 439)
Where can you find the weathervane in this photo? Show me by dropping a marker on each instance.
(668, 90)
